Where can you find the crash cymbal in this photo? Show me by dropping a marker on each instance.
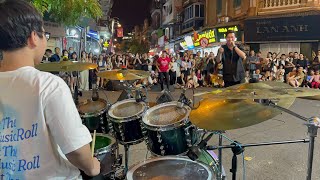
(223, 114)
(260, 90)
(124, 74)
(65, 66)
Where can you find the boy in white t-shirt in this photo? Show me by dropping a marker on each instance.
(41, 134)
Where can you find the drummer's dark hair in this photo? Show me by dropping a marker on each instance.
(18, 19)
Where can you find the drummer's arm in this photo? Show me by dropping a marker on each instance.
(157, 66)
(82, 159)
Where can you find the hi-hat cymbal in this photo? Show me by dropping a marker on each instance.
(260, 90)
(124, 74)
(223, 114)
(65, 66)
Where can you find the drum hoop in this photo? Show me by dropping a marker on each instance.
(126, 119)
(174, 125)
(111, 147)
(93, 114)
(169, 127)
(136, 166)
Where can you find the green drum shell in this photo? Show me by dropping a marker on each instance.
(127, 125)
(169, 138)
(95, 119)
(106, 151)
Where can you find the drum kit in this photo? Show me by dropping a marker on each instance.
(177, 133)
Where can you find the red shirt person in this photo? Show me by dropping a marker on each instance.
(163, 66)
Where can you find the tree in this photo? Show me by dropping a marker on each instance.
(69, 12)
(137, 47)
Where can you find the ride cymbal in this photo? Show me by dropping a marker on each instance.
(223, 114)
(124, 74)
(260, 90)
(65, 66)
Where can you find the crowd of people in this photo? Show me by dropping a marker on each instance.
(193, 70)
(294, 68)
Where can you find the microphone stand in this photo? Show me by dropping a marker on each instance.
(312, 124)
(238, 148)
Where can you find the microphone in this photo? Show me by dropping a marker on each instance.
(195, 151)
(95, 94)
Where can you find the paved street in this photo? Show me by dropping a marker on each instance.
(279, 162)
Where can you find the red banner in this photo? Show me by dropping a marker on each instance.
(120, 32)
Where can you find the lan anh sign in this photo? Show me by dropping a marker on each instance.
(210, 35)
(221, 33)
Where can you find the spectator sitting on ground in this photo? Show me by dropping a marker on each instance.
(297, 80)
(315, 80)
(309, 79)
(192, 81)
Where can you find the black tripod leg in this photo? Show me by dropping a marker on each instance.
(233, 169)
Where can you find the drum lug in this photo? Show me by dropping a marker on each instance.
(144, 132)
(163, 152)
(103, 129)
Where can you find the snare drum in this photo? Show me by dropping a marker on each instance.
(170, 167)
(105, 150)
(125, 117)
(169, 131)
(212, 160)
(93, 115)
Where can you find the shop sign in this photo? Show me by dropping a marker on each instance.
(282, 29)
(210, 35)
(221, 33)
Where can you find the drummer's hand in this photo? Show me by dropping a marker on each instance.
(96, 168)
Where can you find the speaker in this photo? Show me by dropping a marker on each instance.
(164, 97)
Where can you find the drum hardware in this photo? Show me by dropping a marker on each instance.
(183, 100)
(195, 151)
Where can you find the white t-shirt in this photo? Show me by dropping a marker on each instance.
(38, 119)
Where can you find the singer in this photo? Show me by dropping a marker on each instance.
(232, 57)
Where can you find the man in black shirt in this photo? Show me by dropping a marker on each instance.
(232, 57)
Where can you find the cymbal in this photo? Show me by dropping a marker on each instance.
(124, 74)
(260, 90)
(224, 114)
(65, 66)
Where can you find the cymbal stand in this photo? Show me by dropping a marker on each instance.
(220, 155)
(76, 91)
(312, 124)
(126, 158)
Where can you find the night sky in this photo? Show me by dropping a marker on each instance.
(131, 12)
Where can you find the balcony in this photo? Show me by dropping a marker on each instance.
(270, 7)
(280, 3)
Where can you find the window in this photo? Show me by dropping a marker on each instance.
(236, 3)
(197, 11)
(201, 10)
(219, 6)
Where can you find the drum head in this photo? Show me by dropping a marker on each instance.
(165, 114)
(103, 143)
(126, 109)
(93, 107)
(170, 168)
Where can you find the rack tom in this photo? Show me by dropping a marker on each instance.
(125, 117)
(168, 129)
(93, 115)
